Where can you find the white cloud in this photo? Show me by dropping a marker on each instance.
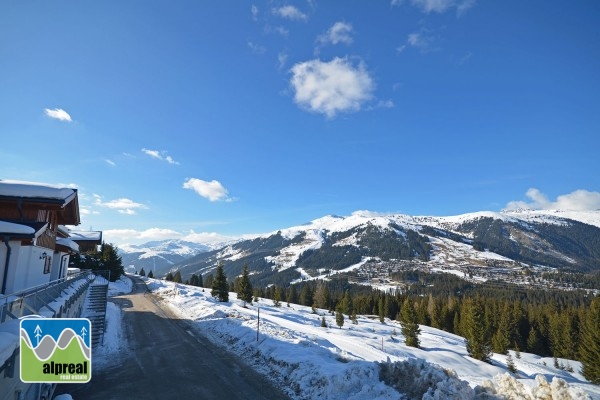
(256, 48)
(254, 11)
(282, 59)
(440, 6)
(206, 237)
(331, 87)
(160, 155)
(213, 190)
(122, 205)
(110, 162)
(132, 235)
(290, 12)
(578, 200)
(338, 33)
(58, 113)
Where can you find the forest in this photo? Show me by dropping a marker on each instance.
(493, 317)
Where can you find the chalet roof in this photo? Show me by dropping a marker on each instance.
(63, 199)
(25, 230)
(67, 243)
(40, 192)
(12, 229)
(86, 236)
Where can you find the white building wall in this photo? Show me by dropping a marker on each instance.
(15, 247)
(59, 259)
(26, 268)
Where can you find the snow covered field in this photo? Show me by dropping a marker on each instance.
(310, 361)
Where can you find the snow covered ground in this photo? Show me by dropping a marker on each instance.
(309, 361)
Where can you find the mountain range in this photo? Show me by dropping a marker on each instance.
(365, 242)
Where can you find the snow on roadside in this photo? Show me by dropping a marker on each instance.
(309, 361)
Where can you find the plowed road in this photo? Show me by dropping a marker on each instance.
(168, 360)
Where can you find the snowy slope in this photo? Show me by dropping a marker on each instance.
(309, 361)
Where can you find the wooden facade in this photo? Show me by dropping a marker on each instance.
(23, 203)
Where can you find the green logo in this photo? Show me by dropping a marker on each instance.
(56, 350)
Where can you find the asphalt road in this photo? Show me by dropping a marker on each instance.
(168, 360)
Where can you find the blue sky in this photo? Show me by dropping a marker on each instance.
(195, 118)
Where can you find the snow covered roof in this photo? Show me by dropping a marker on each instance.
(80, 236)
(16, 229)
(67, 243)
(36, 191)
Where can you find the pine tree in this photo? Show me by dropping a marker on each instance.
(501, 341)
(476, 333)
(353, 318)
(589, 348)
(169, 277)
(347, 305)
(322, 297)
(142, 272)
(220, 287)
(150, 274)
(111, 260)
(510, 364)
(177, 277)
(323, 323)
(306, 296)
(209, 281)
(292, 297)
(244, 290)
(277, 297)
(339, 316)
(408, 322)
(381, 310)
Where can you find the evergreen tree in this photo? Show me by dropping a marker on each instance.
(277, 297)
(501, 341)
(150, 274)
(111, 260)
(353, 318)
(339, 316)
(209, 281)
(292, 297)
(589, 348)
(177, 277)
(306, 296)
(510, 364)
(408, 322)
(347, 305)
(476, 333)
(322, 296)
(323, 323)
(220, 287)
(381, 307)
(169, 276)
(244, 290)
(142, 272)
(200, 283)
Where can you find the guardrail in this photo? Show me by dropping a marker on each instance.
(30, 301)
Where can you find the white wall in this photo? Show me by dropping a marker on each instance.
(26, 267)
(57, 259)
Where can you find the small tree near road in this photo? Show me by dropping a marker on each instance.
(220, 287)
(245, 291)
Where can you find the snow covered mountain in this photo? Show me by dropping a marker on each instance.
(356, 244)
(159, 256)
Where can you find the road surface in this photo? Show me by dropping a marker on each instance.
(168, 360)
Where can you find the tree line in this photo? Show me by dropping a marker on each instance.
(491, 318)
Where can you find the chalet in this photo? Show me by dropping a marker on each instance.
(35, 251)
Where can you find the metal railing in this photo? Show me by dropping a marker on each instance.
(31, 300)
